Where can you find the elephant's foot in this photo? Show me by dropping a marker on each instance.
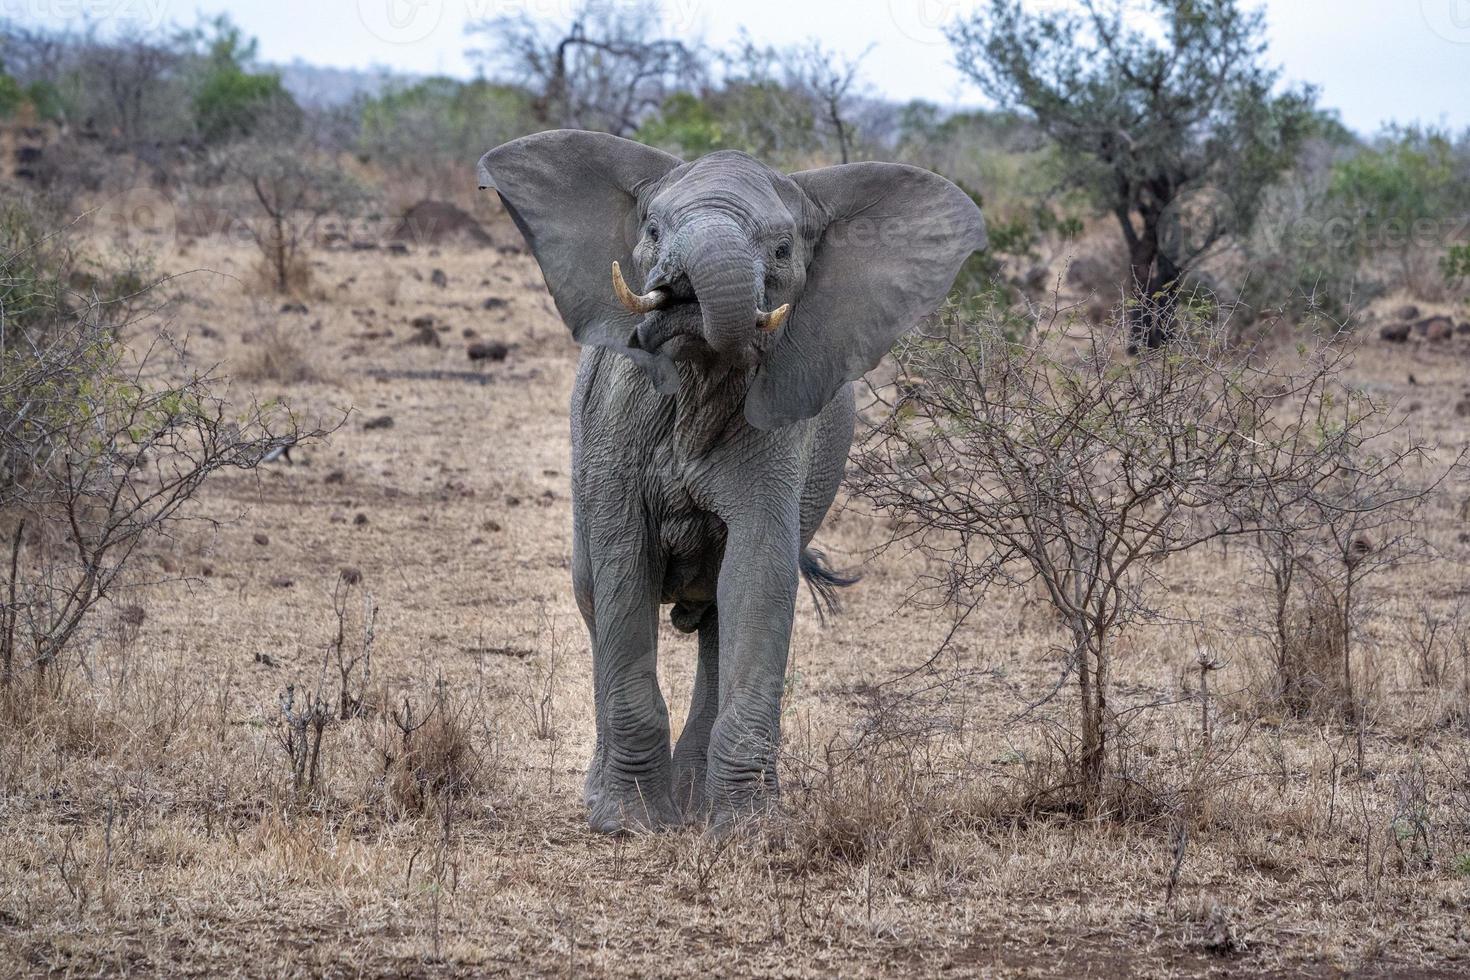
(629, 809)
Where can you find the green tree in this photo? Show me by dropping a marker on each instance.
(232, 100)
(686, 125)
(1176, 128)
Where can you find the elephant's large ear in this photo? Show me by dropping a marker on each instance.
(894, 238)
(574, 196)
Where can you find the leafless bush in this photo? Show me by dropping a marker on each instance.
(347, 658)
(102, 446)
(1321, 544)
(289, 191)
(1428, 637)
(538, 696)
(299, 731)
(1052, 461)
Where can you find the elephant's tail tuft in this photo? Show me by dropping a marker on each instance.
(823, 582)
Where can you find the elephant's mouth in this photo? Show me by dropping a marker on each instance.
(672, 313)
(675, 329)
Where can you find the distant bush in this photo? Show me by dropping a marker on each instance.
(1403, 198)
(441, 119)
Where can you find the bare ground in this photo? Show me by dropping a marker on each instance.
(148, 823)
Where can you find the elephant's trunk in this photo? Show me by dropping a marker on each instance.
(727, 277)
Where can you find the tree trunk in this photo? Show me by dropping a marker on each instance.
(1091, 678)
(279, 246)
(1154, 282)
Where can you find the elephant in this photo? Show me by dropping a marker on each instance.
(711, 420)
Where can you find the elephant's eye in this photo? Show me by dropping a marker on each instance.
(653, 233)
(783, 249)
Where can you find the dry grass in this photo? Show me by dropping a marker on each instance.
(277, 353)
(149, 822)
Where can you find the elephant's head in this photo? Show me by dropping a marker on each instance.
(809, 278)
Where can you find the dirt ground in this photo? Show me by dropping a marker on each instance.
(148, 823)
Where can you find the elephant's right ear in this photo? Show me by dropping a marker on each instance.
(574, 196)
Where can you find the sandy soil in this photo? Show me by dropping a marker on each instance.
(148, 824)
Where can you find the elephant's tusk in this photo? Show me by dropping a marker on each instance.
(646, 303)
(771, 322)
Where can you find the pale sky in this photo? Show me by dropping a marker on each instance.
(1374, 60)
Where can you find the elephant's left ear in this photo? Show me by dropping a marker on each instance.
(893, 239)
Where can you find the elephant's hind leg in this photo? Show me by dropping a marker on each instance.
(691, 754)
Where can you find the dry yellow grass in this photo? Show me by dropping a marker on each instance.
(148, 824)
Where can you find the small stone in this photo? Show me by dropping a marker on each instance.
(351, 575)
(265, 659)
(293, 307)
(283, 582)
(336, 476)
(1395, 333)
(262, 539)
(492, 526)
(493, 303)
(360, 519)
(438, 278)
(425, 337)
(1406, 312)
(397, 248)
(380, 422)
(1436, 328)
(488, 350)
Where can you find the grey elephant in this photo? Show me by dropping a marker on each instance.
(711, 421)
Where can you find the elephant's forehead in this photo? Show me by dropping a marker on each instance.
(731, 180)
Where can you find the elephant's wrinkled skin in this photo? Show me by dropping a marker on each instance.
(709, 436)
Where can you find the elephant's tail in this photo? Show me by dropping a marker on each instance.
(823, 581)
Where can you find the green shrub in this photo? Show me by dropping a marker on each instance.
(1456, 265)
(232, 104)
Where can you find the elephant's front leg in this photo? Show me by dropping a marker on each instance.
(629, 783)
(756, 600)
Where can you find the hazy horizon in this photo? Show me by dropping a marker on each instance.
(1374, 62)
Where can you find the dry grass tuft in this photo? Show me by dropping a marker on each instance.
(1310, 674)
(432, 758)
(279, 356)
